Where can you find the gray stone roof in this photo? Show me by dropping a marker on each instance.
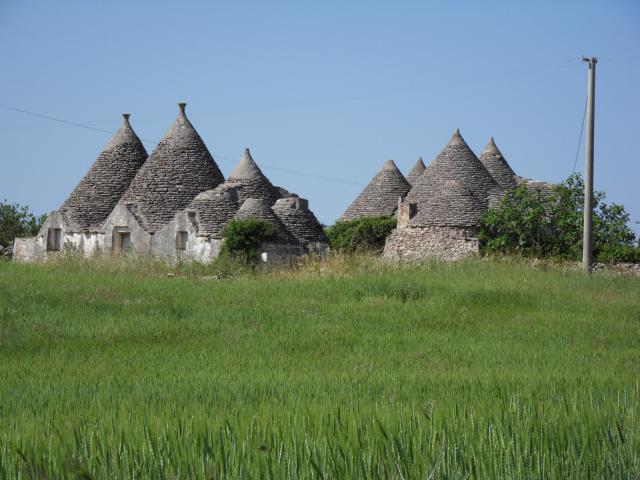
(250, 182)
(299, 220)
(101, 188)
(416, 171)
(456, 162)
(449, 204)
(259, 209)
(380, 196)
(179, 168)
(546, 189)
(214, 209)
(493, 160)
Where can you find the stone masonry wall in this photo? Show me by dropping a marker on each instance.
(443, 243)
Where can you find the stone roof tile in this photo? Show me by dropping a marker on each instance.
(177, 170)
(250, 182)
(449, 204)
(456, 162)
(93, 199)
(416, 171)
(258, 208)
(493, 160)
(299, 220)
(380, 196)
(214, 209)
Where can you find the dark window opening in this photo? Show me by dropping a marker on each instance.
(122, 241)
(181, 240)
(54, 240)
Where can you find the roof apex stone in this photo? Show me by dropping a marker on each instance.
(250, 182)
(246, 168)
(491, 148)
(416, 171)
(456, 139)
(390, 165)
(124, 134)
(495, 163)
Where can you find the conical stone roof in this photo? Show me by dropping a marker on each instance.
(98, 192)
(416, 171)
(455, 162)
(299, 220)
(493, 160)
(250, 182)
(380, 196)
(450, 204)
(214, 209)
(258, 208)
(179, 168)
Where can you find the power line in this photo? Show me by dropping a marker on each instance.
(224, 158)
(55, 119)
(584, 115)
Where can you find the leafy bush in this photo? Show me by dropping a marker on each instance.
(17, 221)
(519, 225)
(529, 224)
(243, 238)
(362, 234)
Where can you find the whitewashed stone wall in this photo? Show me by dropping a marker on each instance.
(28, 249)
(443, 243)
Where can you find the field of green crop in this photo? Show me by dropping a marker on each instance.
(343, 369)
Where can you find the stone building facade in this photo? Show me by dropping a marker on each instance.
(174, 202)
(440, 216)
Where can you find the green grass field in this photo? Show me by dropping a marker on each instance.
(469, 370)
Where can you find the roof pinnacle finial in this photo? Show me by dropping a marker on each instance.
(456, 138)
(389, 165)
(491, 147)
(126, 116)
(182, 106)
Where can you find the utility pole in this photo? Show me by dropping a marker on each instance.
(587, 236)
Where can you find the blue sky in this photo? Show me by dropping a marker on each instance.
(328, 89)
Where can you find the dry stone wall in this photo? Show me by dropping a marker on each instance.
(442, 243)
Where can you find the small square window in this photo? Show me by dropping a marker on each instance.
(181, 240)
(54, 240)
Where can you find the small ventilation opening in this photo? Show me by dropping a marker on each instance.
(181, 241)
(54, 239)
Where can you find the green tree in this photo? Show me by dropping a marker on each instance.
(530, 224)
(361, 234)
(17, 221)
(243, 238)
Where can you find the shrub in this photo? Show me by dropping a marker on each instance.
(362, 234)
(243, 238)
(519, 225)
(528, 224)
(17, 221)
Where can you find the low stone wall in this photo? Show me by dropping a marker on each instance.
(629, 269)
(443, 243)
(27, 249)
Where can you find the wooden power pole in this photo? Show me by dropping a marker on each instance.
(587, 236)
